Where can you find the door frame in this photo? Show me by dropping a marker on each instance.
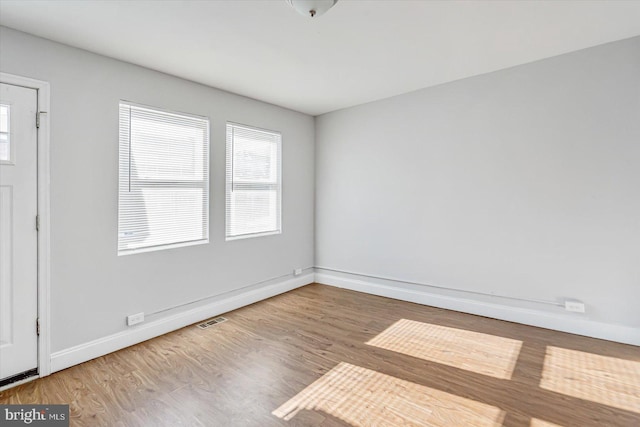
(44, 210)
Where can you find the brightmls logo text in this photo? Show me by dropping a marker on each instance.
(34, 415)
(27, 416)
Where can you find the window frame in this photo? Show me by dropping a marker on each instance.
(259, 186)
(203, 185)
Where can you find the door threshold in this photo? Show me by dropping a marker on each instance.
(21, 378)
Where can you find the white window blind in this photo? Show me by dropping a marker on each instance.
(254, 186)
(164, 179)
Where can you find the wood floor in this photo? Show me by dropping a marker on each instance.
(322, 356)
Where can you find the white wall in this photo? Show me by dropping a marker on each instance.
(92, 289)
(523, 182)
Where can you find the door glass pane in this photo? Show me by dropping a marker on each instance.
(5, 147)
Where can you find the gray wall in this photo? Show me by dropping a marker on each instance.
(92, 289)
(523, 182)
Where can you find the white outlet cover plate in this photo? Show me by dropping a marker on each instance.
(134, 319)
(575, 306)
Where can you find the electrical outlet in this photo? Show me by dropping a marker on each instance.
(574, 305)
(134, 319)
(297, 271)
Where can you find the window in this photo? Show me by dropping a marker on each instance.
(5, 134)
(253, 182)
(164, 179)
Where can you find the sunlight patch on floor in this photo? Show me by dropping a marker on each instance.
(601, 379)
(539, 423)
(362, 397)
(472, 351)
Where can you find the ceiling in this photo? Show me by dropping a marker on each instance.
(359, 51)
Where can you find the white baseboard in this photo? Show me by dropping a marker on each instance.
(90, 350)
(556, 321)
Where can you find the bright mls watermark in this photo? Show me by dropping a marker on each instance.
(34, 415)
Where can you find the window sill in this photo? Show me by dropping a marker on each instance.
(162, 247)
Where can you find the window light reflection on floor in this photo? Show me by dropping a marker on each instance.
(362, 397)
(601, 379)
(539, 423)
(485, 354)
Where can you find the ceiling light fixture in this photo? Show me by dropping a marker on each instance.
(311, 8)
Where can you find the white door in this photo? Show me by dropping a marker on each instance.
(18, 234)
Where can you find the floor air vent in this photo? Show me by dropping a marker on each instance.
(208, 323)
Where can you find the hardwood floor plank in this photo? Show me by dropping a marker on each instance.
(238, 372)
